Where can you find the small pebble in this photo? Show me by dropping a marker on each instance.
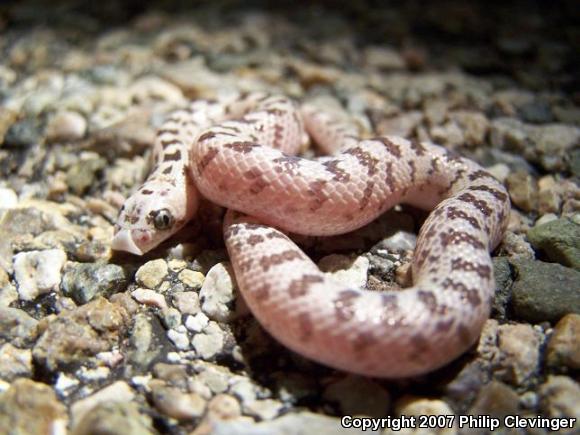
(217, 292)
(38, 272)
(224, 407)
(564, 345)
(66, 126)
(196, 323)
(29, 407)
(346, 270)
(149, 297)
(152, 273)
(191, 278)
(210, 342)
(116, 392)
(186, 302)
(179, 339)
(544, 291)
(560, 398)
(181, 406)
(358, 395)
(559, 240)
(519, 346)
(14, 362)
(8, 198)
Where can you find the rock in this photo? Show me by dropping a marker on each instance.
(224, 407)
(290, 424)
(503, 282)
(516, 246)
(33, 220)
(564, 345)
(217, 293)
(66, 126)
(171, 318)
(359, 396)
(552, 143)
(191, 278)
(38, 272)
(549, 195)
(495, 399)
(218, 379)
(209, 343)
(499, 171)
(14, 362)
(82, 176)
(346, 270)
(402, 125)
(547, 144)
(115, 418)
(175, 404)
(151, 88)
(197, 323)
(17, 327)
(265, 409)
(560, 398)
(508, 133)
(126, 136)
(147, 341)
(474, 126)
(538, 112)
(117, 392)
(8, 198)
(186, 302)
(152, 273)
(419, 406)
(179, 338)
(448, 134)
(149, 297)
(559, 240)
(544, 291)
(523, 190)
(575, 163)
(519, 347)
(173, 374)
(382, 58)
(24, 133)
(78, 335)
(29, 407)
(8, 293)
(7, 118)
(84, 281)
(193, 77)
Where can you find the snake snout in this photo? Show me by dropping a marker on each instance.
(124, 241)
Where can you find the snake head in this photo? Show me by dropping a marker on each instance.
(151, 215)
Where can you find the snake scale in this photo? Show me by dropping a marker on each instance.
(241, 154)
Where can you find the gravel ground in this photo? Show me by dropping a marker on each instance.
(94, 343)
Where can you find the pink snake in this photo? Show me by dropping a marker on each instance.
(240, 154)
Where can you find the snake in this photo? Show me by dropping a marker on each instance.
(242, 154)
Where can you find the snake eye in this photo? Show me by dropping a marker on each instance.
(163, 219)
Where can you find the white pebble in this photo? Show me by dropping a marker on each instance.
(179, 339)
(117, 392)
(149, 297)
(66, 126)
(217, 292)
(38, 272)
(8, 198)
(186, 302)
(345, 270)
(196, 323)
(209, 343)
